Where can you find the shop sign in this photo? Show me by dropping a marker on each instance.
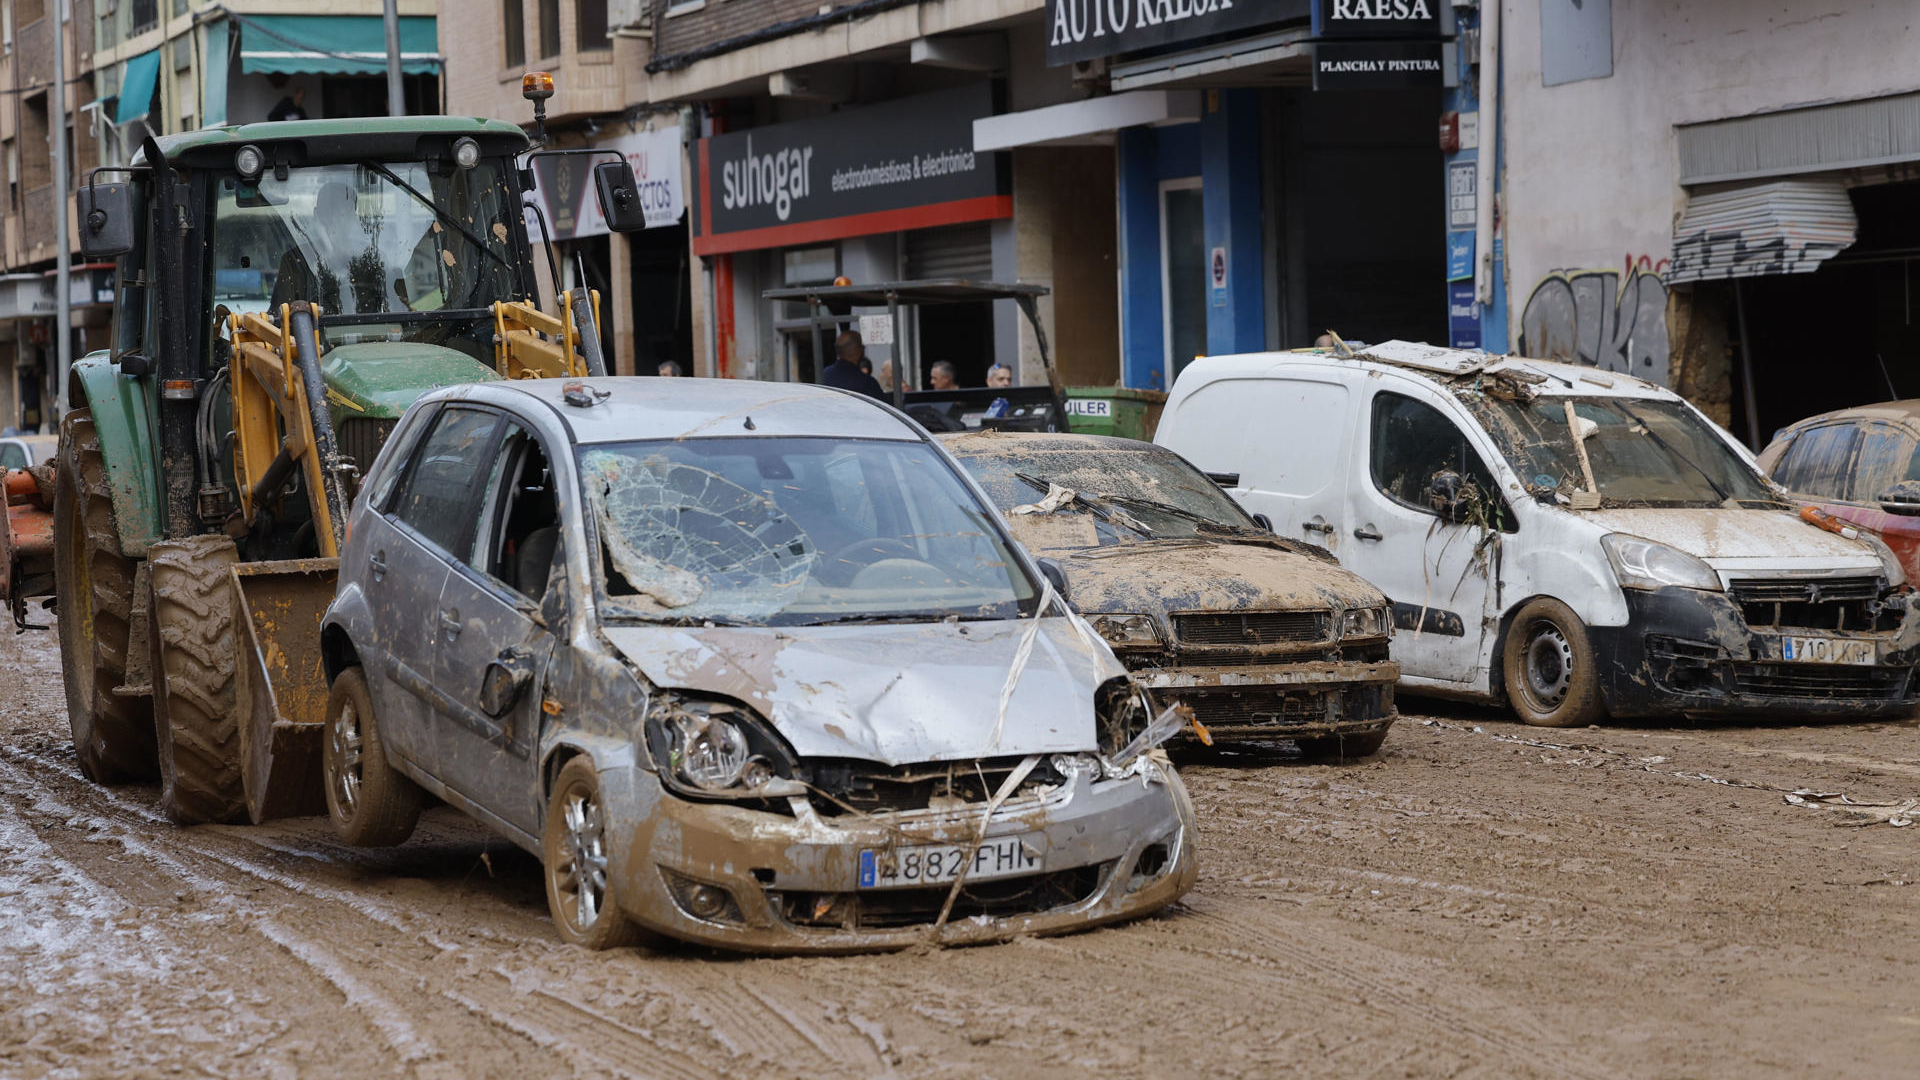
(1459, 255)
(1217, 271)
(564, 184)
(904, 164)
(876, 329)
(1463, 316)
(1376, 65)
(1090, 408)
(1463, 195)
(1376, 18)
(1090, 29)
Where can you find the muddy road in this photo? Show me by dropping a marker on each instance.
(1629, 902)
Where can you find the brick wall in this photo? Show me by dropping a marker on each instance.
(721, 20)
(480, 82)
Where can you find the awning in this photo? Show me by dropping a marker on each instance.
(1085, 123)
(137, 81)
(1783, 227)
(334, 44)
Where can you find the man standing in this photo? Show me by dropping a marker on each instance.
(999, 375)
(291, 107)
(844, 373)
(940, 376)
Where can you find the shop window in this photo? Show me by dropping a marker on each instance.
(1183, 273)
(513, 31)
(1818, 461)
(590, 21)
(549, 28)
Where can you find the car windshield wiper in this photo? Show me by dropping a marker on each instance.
(1095, 504)
(449, 219)
(875, 617)
(1671, 452)
(1174, 511)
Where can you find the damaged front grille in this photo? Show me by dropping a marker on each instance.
(1811, 603)
(997, 898)
(1820, 681)
(863, 787)
(1251, 628)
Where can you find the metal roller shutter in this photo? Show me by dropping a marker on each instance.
(951, 251)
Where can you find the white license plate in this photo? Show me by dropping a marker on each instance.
(1819, 650)
(939, 864)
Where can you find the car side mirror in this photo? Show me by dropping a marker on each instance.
(505, 682)
(619, 196)
(106, 219)
(1445, 492)
(1902, 498)
(1263, 521)
(1057, 575)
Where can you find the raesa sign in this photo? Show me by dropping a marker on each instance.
(1376, 18)
(1089, 29)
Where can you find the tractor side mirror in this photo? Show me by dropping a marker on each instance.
(106, 219)
(619, 196)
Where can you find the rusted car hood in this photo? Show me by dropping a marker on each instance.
(1205, 575)
(896, 694)
(1742, 539)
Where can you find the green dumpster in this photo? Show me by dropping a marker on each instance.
(1114, 410)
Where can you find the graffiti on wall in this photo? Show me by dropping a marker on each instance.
(1615, 320)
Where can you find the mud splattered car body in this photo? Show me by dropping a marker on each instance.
(1261, 637)
(823, 702)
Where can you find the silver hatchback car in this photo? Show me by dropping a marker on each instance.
(747, 664)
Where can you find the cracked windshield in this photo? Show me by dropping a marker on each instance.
(1644, 453)
(793, 532)
(1118, 497)
(366, 240)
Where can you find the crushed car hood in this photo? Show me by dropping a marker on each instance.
(1743, 540)
(1208, 575)
(892, 693)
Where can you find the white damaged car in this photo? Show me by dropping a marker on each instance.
(746, 664)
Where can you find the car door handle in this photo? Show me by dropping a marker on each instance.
(1318, 526)
(450, 622)
(1367, 532)
(378, 561)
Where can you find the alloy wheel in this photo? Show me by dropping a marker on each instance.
(582, 878)
(346, 735)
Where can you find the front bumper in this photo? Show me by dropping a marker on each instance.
(1298, 700)
(1690, 651)
(1113, 850)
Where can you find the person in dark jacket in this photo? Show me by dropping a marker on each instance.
(291, 107)
(844, 373)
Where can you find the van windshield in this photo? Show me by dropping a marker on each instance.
(794, 532)
(1644, 452)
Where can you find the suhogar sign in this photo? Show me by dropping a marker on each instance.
(904, 164)
(1089, 29)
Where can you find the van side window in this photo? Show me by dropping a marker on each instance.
(1410, 442)
(1886, 453)
(1819, 461)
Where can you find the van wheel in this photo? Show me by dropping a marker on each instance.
(372, 804)
(574, 847)
(1552, 677)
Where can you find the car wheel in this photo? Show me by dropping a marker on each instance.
(574, 846)
(1342, 748)
(1551, 674)
(372, 804)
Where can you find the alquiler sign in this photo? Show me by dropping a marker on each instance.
(1089, 29)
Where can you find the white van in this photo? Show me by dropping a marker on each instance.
(1580, 542)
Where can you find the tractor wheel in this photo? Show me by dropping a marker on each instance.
(193, 701)
(93, 583)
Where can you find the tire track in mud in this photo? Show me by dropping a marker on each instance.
(593, 1044)
(754, 1023)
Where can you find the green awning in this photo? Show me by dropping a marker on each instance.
(136, 86)
(334, 44)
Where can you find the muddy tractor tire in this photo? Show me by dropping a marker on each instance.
(1552, 674)
(372, 804)
(574, 849)
(195, 651)
(1342, 749)
(94, 585)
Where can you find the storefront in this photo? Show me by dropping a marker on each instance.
(1276, 171)
(875, 193)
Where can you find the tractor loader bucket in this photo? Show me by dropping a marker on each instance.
(26, 543)
(280, 688)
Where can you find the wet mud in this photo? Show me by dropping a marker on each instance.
(1479, 900)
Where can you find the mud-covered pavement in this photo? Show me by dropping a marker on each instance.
(1464, 906)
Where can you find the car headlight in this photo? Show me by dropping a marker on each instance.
(715, 748)
(1639, 563)
(1365, 622)
(1127, 631)
(1896, 574)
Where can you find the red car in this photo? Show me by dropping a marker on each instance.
(1861, 465)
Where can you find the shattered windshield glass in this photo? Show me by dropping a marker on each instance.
(1125, 496)
(793, 531)
(1644, 453)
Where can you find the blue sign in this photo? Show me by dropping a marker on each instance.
(1463, 316)
(1459, 256)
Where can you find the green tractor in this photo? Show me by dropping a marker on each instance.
(286, 291)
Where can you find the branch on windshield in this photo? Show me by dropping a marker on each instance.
(1059, 495)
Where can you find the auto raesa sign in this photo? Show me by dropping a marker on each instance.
(1089, 29)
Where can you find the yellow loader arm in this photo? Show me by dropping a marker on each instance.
(530, 344)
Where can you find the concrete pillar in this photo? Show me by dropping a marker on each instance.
(1230, 174)
(619, 306)
(1142, 324)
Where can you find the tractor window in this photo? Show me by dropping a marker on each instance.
(367, 239)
